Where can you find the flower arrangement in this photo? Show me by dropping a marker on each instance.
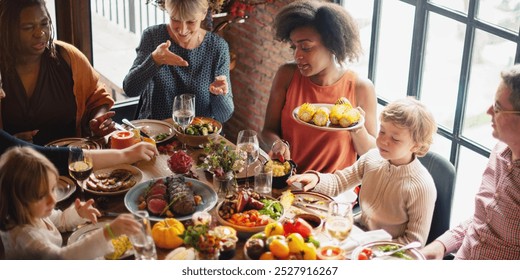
(221, 158)
(240, 8)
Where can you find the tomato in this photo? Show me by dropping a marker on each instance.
(297, 225)
(279, 248)
(295, 242)
(309, 251)
(275, 228)
(270, 239)
(267, 256)
(368, 252)
(362, 256)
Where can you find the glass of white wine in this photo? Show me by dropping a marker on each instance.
(247, 145)
(80, 168)
(339, 221)
(183, 112)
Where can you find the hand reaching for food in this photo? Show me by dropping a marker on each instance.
(308, 180)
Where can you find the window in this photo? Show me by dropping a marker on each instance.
(123, 21)
(449, 54)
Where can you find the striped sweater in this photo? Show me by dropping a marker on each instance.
(398, 199)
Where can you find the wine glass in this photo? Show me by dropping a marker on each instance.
(247, 144)
(184, 112)
(339, 221)
(80, 167)
(142, 242)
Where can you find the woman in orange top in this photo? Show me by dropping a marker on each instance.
(323, 35)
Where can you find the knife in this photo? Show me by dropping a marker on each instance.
(130, 124)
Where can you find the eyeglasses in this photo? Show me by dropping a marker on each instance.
(497, 110)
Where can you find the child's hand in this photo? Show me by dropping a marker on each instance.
(125, 224)
(86, 211)
(308, 180)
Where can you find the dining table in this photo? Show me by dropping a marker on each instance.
(111, 205)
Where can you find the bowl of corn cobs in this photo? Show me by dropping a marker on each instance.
(281, 171)
(199, 132)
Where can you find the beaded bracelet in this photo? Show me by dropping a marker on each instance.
(109, 231)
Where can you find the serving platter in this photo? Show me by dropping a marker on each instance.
(154, 128)
(74, 142)
(88, 229)
(310, 202)
(136, 172)
(328, 126)
(209, 197)
(412, 254)
(66, 187)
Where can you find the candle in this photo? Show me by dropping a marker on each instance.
(331, 253)
(122, 139)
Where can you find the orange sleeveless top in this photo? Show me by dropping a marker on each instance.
(311, 148)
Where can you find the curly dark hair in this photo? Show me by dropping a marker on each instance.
(511, 78)
(9, 21)
(339, 31)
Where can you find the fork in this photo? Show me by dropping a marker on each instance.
(379, 253)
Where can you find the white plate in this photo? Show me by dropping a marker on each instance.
(65, 189)
(209, 197)
(74, 142)
(138, 176)
(84, 231)
(414, 254)
(329, 126)
(154, 128)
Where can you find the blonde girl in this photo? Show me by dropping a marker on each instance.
(30, 226)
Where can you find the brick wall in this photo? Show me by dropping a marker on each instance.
(258, 58)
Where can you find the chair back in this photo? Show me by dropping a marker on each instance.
(443, 174)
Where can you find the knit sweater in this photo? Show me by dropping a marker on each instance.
(158, 85)
(398, 199)
(44, 241)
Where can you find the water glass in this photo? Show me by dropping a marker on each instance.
(143, 243)
(263, 181)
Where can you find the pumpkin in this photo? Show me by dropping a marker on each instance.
(165, 233)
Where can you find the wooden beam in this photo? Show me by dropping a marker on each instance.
(73, 24)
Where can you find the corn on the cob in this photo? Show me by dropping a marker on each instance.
(349, 118)
(306, 112)
(337, 111)
(344, 100)
(321, 117)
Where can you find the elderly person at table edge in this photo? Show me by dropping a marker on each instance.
(52, 90)
(494, 230)
(59, 156)
(323, 37)
(180, 57)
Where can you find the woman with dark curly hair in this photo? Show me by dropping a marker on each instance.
(52, 90)
(323, 36)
